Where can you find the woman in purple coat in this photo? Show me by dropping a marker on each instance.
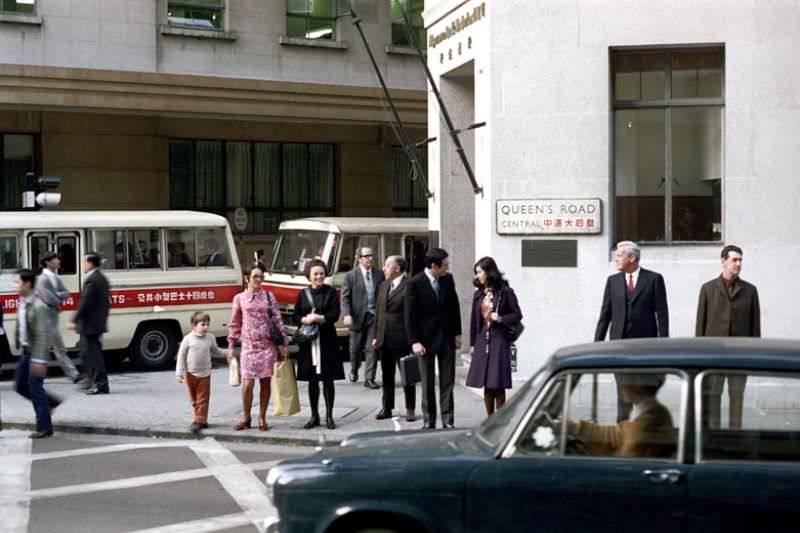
(494, 307)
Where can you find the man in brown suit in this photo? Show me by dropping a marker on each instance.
(727, 307)
(391, 342)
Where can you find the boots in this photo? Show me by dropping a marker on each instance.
(313, 399)
(329, 392)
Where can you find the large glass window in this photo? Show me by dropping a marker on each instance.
(18, 160)
(750, 417)
(9, 253)
(196, 14)
(18, 6)
(408, 199)
(271, 181)
(668, 127)
(311, 19)
(414, 10)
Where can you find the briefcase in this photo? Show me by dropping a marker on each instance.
(409, 370)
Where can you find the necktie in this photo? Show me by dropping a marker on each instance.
(631, 288)
(435, 283)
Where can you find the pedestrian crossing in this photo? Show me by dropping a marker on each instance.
(236, 477)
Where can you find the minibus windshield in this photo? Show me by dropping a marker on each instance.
(295, 248)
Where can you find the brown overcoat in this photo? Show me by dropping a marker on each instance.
(722, 315)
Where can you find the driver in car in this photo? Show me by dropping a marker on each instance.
(647, 433)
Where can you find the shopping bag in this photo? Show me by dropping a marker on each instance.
(284, 389)
(234, 378)
(409, 370)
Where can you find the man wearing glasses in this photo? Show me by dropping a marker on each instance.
(358, 312)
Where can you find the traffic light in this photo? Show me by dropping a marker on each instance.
(36, 195)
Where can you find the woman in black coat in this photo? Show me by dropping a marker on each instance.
(318, 360)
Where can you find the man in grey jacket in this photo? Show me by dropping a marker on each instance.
(33, 339)
(51, 290)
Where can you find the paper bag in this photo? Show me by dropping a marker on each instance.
(234, 378)
(284, 389)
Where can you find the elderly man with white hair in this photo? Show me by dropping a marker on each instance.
(634, 304)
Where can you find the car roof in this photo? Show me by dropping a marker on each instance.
(703, 352)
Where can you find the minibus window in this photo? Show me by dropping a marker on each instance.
(212, 247)
(181, 249)
(144, 249)
(296, 248)
(9, 253)
(110, 244)
(392, 245)
(68, 255)
(38, 246)
(350, 246)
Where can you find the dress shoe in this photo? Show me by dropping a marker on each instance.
(97, 390)
(428, 426)
(370, 384)
(410, 416)
(312, 422)
(353, 377)
(383, 414)
(329, 423)
(195, 427)
(41, 434)
(448, 425)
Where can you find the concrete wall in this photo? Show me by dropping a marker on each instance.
(131, 35)
(548, 107)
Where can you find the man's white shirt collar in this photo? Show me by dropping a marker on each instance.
(642, 407)
(635, 274)
(396, 282)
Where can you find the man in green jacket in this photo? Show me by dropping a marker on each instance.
(728, 307)
(33, 337)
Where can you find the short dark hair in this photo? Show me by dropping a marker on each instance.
(730, 248)
(315, 263)
(435, 256)
(254, 266)
(494, 278)
(26, 275)
(47, 257)
(400, 261)
(93, 258)
(200, 316)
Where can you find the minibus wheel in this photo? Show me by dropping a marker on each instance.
(154, 346)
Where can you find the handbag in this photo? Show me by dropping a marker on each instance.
(409, 370)
(284, 383)
(511, 331)
(234, 377)
(275, 333)
(306, 332)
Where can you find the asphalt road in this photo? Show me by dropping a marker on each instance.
(88, 483)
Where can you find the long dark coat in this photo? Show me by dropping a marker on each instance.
(326, 302)
(721, 315)
(491, 367)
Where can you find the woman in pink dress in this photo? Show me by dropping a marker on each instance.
(254, 311)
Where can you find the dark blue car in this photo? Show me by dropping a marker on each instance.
(648, 435)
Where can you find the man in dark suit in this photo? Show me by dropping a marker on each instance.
(634, 306)
(90, 322)
(390, 339)
(433, 327)
(358, 313)
(728, 306)
(214, 258)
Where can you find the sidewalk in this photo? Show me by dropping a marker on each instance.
(154, 404)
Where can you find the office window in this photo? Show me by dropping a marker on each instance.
(668, 108)
(311, 19)
(409, 198)
(26, 7)
(414, 10)
(196, 14)
(271, 181)
(18, 160)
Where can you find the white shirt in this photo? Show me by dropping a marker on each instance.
(433, 281)
(395, 283)
(642, 407)
(22, 309)
(635, 275)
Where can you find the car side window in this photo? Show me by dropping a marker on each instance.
(542, 433)
(749, 417)
(626, 414)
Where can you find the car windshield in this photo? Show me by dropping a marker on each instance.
(296, 248)
(491, 431)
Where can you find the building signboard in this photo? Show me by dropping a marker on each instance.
(549, 216)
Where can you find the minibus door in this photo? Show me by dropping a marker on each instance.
(67, 246)
(415, 247)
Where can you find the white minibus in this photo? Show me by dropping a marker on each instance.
(336, 241)
(161, 265)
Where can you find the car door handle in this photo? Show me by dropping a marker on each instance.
(661, 476)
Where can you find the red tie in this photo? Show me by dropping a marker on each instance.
(631, 288)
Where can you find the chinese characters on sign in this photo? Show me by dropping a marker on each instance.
(549, 217)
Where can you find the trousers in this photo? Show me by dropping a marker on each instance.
(199, 394)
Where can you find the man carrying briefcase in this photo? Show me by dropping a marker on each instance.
(391, 342)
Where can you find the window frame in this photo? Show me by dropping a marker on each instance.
(418, 29)
(189, 4)
(19, 13)
(698, 414)
(333, 21)
(410, 210)
(667, 103)
(510, 449)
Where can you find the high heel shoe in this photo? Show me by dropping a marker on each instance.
(262, 425)
(242, 424)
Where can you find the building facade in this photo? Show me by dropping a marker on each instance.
(268, 107)
(673, 124)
